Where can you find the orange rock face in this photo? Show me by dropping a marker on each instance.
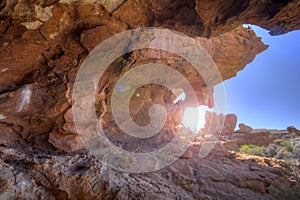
(44, 43)
(49, 57)
(219, 123)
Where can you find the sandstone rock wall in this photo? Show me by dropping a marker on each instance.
(219, 123)
(43, 43)
(47, 56)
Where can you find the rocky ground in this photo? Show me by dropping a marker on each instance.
(279, 144)
(42, 46)
(226, 173)
(220, 175)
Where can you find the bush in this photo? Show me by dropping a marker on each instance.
(293, 135)
(278, 141)
(252, 149)
(286, 145)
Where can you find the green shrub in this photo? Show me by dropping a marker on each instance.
(278, 141)
(252, 149)
(286, 145)
(293, 135)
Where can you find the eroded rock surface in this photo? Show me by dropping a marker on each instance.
(244, 129)
(220, 175)
(219, 123)
(293, 130)
(42, 45)
(279, 144)
(50, 56)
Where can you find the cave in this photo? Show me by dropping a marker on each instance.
(95, 97)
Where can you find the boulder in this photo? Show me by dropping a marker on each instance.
(244, 129)
(271, 150)
(229, 124)
(293, 130)
(219, 123)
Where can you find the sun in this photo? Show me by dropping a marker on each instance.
(194, 118)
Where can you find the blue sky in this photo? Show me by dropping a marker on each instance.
(266, 94)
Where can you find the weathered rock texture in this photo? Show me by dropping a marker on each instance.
(220, 175)
(244, 129)
(44, 62)
(260, 138)
(272, 15)
(219, 123)
(265, 138)
(279, 144)
(43, 43)
(293, 130)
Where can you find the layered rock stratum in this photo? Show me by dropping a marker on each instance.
(42, 45)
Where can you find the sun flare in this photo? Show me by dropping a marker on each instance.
(194, 118)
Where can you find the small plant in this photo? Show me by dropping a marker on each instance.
(278, 141)
(293, 135)
(286, 145)
(252, 149)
